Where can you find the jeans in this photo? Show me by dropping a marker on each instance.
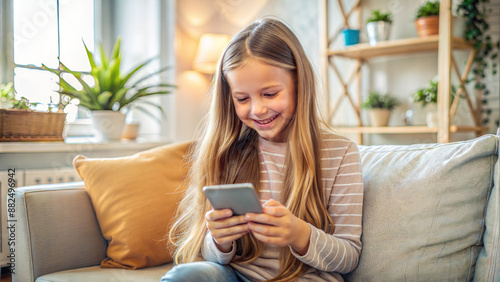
(201, 271)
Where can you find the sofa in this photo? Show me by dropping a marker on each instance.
(431, 213)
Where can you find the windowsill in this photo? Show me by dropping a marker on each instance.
(83, 143)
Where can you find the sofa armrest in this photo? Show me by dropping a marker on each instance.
(56, 230)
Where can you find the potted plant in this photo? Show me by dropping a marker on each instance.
(427, 97)
(112, 91)
(378, 26)
(18, 122)
(379, 106)
(427, 19)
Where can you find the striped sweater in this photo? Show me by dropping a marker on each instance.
(328, 255)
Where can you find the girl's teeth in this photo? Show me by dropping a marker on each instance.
(266, 121)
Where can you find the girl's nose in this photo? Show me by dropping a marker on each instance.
(258, 108)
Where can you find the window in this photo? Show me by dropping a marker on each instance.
(42, 31)
(45, 30)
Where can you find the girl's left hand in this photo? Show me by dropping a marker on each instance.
(278, 226)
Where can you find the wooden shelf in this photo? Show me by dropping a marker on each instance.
(407, 129)
(397, 47)
(442, 44)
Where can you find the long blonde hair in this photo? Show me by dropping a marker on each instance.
(227, 150)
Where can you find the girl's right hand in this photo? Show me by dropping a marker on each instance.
(225, 228)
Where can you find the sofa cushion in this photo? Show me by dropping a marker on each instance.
(488, 262)
(95, 273)
(424, 210)
(134, 199)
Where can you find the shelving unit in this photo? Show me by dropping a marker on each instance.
(443, 44)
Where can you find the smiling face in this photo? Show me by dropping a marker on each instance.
(264, 98)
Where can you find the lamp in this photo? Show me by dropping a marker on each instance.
(210, 49)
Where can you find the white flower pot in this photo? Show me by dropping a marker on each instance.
(432, 119)
(108, 124)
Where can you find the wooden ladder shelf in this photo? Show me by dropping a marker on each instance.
(443, 44)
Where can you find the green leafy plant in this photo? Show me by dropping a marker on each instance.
(23, 104)
(476, 31)
(7, 92)
(112, 90)
(375, 100)
(428, 9)
(428, 94)
(8, 97)
(378, 16)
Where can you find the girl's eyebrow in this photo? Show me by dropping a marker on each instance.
(271, 86)
(262, 89)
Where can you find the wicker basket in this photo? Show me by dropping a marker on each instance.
(22, 125)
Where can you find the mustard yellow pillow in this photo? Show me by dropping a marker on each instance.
(134, 199)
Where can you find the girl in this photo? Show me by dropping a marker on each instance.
(264, 128)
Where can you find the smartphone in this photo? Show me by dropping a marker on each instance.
(241, 198)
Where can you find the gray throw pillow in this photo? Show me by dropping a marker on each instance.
(424, 210)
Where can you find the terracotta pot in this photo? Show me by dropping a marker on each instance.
(427, 26)
(379, 117)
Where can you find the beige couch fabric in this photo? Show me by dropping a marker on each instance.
(488, 262)
(96, 273)
(57, 230)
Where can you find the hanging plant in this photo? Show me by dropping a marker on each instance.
(476, 32)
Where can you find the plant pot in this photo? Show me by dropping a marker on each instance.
(351, 36)
(22, 125)
(379, 117)
(131, 131)
(108, 125)
(432, 119)
(427, 26)
(378, 31)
